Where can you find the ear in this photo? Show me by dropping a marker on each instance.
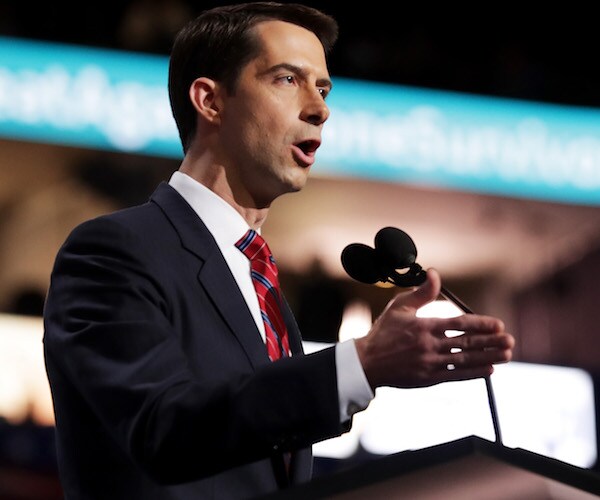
(204, 95)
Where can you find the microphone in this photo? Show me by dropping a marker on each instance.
(394, 250)
(361, 264)
(393, 260)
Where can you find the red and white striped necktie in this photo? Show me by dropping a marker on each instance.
(264, 277)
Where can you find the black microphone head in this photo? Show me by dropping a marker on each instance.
(395, 248)
(360, 263)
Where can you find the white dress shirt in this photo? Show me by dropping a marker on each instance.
(227, 226)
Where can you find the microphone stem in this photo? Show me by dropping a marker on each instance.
(450, 296)
(488, 382)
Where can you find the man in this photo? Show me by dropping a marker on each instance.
(154, 339)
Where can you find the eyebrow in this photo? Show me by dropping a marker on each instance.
(321, 82)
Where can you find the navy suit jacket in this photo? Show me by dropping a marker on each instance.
(161, 384)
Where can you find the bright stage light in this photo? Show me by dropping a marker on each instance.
(549, 410)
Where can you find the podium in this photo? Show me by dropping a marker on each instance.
(470, 468)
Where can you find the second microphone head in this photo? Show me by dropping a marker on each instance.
(395, 248)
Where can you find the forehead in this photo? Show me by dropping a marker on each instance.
(286, 42)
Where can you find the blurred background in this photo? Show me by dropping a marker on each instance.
(532, 259)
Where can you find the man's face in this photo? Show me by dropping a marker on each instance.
(271, 127)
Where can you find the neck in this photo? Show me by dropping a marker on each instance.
(213, 176)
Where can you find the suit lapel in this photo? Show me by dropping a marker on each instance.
(214, 273)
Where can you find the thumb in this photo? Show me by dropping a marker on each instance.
(425, 293)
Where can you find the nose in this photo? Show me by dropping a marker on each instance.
(314, 109)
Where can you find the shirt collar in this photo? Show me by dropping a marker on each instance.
(224, 222)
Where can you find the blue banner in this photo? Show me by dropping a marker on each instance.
(118, 100)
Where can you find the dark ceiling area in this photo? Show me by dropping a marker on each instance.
(546, 54)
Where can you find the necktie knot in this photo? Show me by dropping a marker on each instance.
(264, 277)
(253, 246)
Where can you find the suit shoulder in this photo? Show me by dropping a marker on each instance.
(148, 216)
(126, 219)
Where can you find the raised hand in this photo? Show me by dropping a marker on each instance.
(403, 350)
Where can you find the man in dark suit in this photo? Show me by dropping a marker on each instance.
(154, 338)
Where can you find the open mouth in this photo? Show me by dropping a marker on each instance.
(309, 146)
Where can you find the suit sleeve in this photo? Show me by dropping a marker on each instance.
(108, 330)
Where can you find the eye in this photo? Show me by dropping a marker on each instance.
(287, 79)
(324, 91)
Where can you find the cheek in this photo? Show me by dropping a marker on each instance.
(240, 132)
(259, 130)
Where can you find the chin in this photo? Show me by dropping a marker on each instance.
(292, 183)
(294, 188)
(300, 180)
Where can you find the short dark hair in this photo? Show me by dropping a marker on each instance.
(220, 42)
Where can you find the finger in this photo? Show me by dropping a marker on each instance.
(423, 294)
(455, 374)
(476, 342)
(465, 359)
(469, 323)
